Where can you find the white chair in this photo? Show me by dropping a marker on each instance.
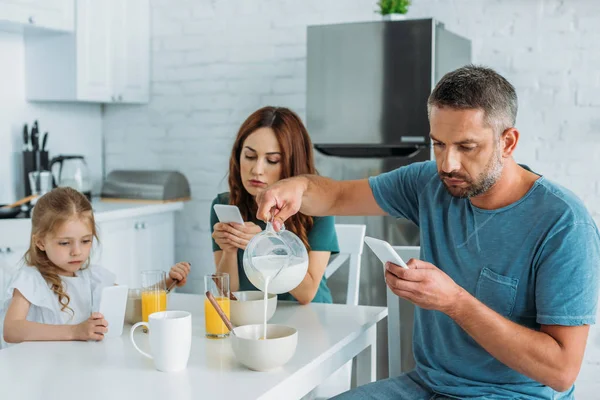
(400, 337)
(351, 243)
(9, 263)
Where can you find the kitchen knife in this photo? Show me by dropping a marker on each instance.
(26, 138)
(44, 139)
(35, 137)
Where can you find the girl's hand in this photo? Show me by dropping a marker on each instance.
(239, 235)
(92, 329)
(221, 236)
(179, 272)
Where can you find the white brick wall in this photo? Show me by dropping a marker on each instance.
(214, 62)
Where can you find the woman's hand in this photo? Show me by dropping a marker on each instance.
(179, 273)
(237, 235)
(221, 237)
(93, 329)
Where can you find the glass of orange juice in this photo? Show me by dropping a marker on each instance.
(154, 292)
(218, 285)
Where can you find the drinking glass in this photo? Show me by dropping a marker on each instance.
(154, 292)
(218, 285)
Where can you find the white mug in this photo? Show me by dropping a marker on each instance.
(170, 339)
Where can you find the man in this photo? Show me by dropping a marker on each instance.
(507, 284)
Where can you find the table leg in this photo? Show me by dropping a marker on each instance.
(366, 360)
(394, 342)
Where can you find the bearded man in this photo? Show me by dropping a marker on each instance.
(507, 282)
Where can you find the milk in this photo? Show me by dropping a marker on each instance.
(268, 266)
(266, 298)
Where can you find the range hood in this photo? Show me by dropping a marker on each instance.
(370, 150)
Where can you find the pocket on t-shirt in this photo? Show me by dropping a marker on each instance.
(498, 292)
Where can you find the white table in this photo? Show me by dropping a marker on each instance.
(329, 335)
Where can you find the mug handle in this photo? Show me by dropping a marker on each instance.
(133, 341)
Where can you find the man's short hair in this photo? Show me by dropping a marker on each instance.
(478, 87)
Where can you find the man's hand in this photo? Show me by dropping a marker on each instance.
(281, 200)
(423, 284)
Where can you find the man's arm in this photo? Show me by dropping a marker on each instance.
(552, 356)
(317, 196)
(326, 196)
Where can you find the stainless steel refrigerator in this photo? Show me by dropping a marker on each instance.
(366, 111)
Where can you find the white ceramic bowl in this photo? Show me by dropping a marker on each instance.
(264, 355)
(249, 309)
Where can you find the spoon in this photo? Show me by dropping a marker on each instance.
(219, 311)
(231, 295)
(175, 282)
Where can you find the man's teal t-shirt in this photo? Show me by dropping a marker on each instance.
(322, 237)
(535, 262)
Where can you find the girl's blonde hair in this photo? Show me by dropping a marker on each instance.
(51, 211)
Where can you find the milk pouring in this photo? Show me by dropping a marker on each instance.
(285, 273)
(281, 256)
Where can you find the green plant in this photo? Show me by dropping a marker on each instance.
(393, 6)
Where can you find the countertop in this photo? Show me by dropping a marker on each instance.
(12, 230)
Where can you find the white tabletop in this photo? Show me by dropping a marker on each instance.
(113, 369)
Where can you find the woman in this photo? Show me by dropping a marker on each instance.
(272, 144)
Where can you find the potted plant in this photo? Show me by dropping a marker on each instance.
(393, 10)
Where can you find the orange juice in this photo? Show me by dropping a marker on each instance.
(153, 301)
(214, 325)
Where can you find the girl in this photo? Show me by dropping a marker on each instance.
(52, 297)
(272, 144)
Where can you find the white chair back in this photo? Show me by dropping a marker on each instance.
(351, 241)
(9, 263)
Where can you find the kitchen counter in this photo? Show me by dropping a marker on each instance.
(108, 211)
(15, 232)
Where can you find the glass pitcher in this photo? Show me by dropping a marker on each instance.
(275, 262)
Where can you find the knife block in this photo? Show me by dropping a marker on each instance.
(29, 164)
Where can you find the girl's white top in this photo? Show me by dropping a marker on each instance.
(84, 289)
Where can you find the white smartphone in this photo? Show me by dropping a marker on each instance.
(384, 251)
(112, 305)
(227, 214)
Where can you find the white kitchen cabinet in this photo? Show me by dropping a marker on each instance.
(57, 15)
(106, 59)
(129, 246)
(131, 51)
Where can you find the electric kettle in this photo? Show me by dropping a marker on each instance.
(72, 171)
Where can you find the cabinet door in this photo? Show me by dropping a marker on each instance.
(57, 15)
(156, 242)
(131, 51)
(94, 51)
(117, 250)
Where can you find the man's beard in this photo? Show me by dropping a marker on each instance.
(479, 186)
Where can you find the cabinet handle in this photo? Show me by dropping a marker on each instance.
(143, 225)
(112, 98)
(31, 20)
(8, 250)
(136, 226)
(120, 97)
